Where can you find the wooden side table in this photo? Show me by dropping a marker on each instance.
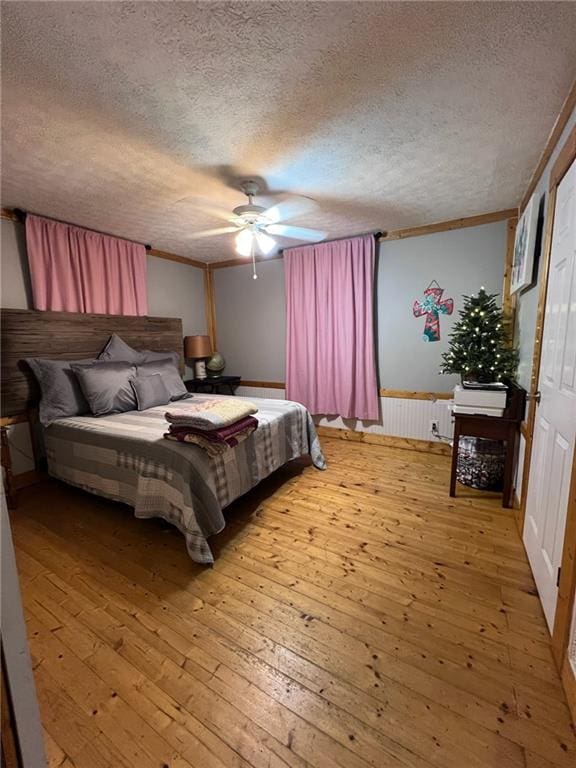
(213, 384)
(6, 461)
(506, 427)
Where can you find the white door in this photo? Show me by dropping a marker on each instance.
(555, 423)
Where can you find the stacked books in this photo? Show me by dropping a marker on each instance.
(482, 402)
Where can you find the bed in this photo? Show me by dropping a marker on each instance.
(125, 456)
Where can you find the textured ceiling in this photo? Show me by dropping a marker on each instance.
(388, 114)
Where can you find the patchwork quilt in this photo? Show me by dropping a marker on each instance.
(125, 457)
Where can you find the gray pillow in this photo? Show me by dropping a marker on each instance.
(106, 386)
(147, 356)
(117, 350)
(150, 391)
(61, 392)
(170, 375)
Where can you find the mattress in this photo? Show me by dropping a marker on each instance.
(125, 457)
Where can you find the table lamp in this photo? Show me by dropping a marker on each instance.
(198, 348)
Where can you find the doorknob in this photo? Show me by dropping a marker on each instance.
(537, 396)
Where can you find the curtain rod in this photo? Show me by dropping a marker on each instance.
(21, 216)
(376, 235)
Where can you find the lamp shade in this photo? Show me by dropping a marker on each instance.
(197, 346)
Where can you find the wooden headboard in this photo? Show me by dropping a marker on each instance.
(69, 336)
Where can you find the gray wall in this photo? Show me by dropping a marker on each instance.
(527, 302)
(461, 261)
(15, 289)
(251, 320)
(177, 290)
(16, 293)
(250, 314)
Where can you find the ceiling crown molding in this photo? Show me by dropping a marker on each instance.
(561, 121)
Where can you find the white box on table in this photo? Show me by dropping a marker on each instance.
(477, 410)
(479, 398)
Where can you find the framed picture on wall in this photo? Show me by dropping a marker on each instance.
(524, 246)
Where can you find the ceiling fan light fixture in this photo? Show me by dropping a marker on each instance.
(244, 242)
(250, 213)
(255, 227)
(265, 243)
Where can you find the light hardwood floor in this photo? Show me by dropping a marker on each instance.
(354, 617)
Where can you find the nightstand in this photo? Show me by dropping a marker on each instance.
(213, 384)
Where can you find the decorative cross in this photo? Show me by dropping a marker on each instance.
(432, 306)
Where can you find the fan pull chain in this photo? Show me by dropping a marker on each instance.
(254, 275)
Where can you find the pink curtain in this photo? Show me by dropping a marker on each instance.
(330, 358)
(77, 270)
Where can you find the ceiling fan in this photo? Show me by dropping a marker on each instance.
(255, 226)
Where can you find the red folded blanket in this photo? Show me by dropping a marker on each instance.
(220, 435)
(214, 441)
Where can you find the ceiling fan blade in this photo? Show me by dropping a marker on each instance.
(204, 207)
(290, 209)
(295, 233)
(212, 232)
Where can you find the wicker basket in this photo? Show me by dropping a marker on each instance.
(481, 463)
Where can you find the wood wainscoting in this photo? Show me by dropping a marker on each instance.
(210, 308)
(402, 394)
(406, 394)
(263, 384)
(407, 420)
(509, 300)
(354, 617)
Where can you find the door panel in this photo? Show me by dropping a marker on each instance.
(537, 482)
(555, 422)
(569, 367)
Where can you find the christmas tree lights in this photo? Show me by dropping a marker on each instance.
(480, 348)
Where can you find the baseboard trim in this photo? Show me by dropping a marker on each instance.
(389, 441)
(517, 509)
(569, 683)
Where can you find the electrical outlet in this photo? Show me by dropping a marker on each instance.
(434, 427)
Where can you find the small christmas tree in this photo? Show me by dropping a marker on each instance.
(480, 348)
